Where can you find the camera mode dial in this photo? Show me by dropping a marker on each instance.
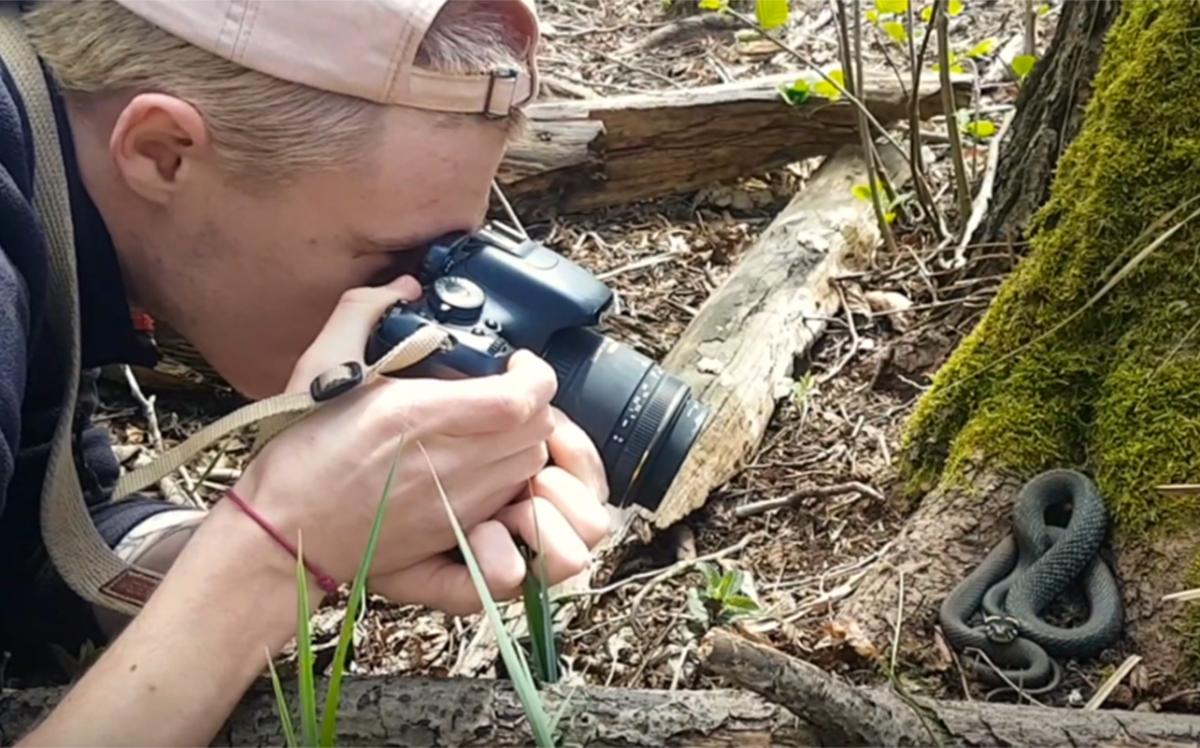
(456, 300)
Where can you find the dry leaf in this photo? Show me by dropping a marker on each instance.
(848, 632)
(883, 302)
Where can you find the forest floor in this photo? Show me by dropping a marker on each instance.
(900, 319)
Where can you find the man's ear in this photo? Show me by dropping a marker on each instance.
(155, 144)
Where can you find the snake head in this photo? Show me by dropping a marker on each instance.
(1001, 629)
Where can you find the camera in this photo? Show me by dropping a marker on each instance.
(496, 291)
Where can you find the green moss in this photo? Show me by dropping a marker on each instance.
(1116, 391)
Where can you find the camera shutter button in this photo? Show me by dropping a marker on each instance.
(456, 300)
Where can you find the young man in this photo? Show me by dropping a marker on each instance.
(257, 176)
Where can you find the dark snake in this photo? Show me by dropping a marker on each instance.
(1024, 575)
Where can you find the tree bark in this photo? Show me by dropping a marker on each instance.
(738, 353)
(1050, 111)
(842, 714)
(462, 712)
(1058, 374)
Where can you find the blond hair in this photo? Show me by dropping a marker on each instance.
(261, 126)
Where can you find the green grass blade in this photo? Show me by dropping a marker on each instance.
(308, 695)
(357, 598)
(539, 615)
(519, 672)
(285, 717)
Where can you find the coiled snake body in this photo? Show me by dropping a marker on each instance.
(1028, 571)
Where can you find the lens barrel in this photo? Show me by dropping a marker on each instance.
(642, 419)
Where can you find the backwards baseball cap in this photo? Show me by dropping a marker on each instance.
(362, 48)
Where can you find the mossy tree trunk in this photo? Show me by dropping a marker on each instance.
(1115, 393)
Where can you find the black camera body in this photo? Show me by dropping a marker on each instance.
(494, 292)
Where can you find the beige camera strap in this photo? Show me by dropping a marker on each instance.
(76, 548)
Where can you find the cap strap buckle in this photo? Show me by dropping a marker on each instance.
(500, 81)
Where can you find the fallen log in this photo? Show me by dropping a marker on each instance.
(393, 710)
(842, 714)
(583, 155)
(738, 352)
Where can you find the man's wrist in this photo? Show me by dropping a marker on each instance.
(249, 558)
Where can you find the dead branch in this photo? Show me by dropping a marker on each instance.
(844, 714)
(794, 499)
(738, 352)
(685, 29)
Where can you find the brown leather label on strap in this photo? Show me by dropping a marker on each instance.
(131, 586)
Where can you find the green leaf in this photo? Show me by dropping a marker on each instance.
(927, 13)
(829, 91)
(955, 67)
(771, 13)
(862, 192)
(518, 669)
(712, 4)
(954, 7)
(896, 31)
(980, 128)
(357, 599)
(539, 616)
(1043, 9)
(983, 48)
(891, 6)
(802, 388)
(741, 603)
(889, 217)
(285, 717)
(304, 661)
(797, 93)
(872, 16)
(1022, 65)
(696, 607)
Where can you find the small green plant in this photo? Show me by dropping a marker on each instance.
(324, 732)
(722, 599)
(863, 192)
(1022, 66)
(980, 129)
(797, 92)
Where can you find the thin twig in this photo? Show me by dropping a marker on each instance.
(885, 230)
(985, 193)
(794, 498)
(960, 168)
(679, 665)
(924, 196)
(168, 486)
(1000, 673)
(508, 208)
(899, 621)
(645, 262)
(642, 70)
(854, 340)
(1111, 682)
(1030, 29)
(658, 575)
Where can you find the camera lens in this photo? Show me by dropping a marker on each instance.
(642, 419)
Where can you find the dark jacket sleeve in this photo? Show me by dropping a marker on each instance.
(14, 329)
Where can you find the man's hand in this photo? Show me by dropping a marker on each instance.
(568, 501)
(488, 439)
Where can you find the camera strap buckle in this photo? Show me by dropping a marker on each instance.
(336, 381)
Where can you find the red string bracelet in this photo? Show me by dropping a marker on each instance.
(326, 582)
